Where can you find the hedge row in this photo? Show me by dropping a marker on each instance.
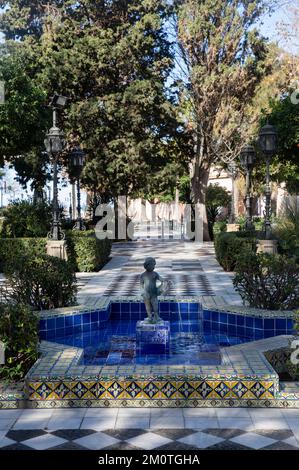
(230, 245)
(86, 253)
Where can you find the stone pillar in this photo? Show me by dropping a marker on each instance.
(232, 227)
(267, 246)
(57, 248)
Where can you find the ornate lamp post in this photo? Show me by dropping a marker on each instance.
(233, 172)
(77, 162)
(54, 143)
(247, 160)
(268, 143)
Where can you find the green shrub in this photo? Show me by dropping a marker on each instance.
(86, 252)
(26, 219)
(43, 282)
(11, 248)
(19, 333)
(267, 281)
(286, 230)
(229, 245)
(217, 198)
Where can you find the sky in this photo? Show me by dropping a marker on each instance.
(269, 29)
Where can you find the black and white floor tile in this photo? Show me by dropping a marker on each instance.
(142, 439)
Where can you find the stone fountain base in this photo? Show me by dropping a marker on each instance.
(152, 338)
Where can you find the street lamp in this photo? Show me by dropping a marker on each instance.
(77, 159)
(247, 160)
(54, 143)
(268, 143)
(233, 172)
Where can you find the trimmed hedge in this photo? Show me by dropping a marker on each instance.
(86, 252)
(230, 245)
(12, 248)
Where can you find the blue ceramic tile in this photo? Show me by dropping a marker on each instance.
(115, 307)
(183, 307)
(290, 325)
(268, 324)
(43, 334)
(94, 317)
(193, 307)
(164, 307)
(207, 326)
(258, 323)
(59, 333)
(258, 334)
(232, 319)
(51, 324)
(206, 315)
(125, 307)
(215, 316)
(232, 330)
(77, 319)
(69, 320)
(86, 326)
(69, 330)
(240, 331)
(135, 307)
(249, 322)
(86, 318)
(280, 323)
(223, 317)
(280, 332)
(42, 325)
(249, 332)
(50, 334)
(77, 329)
(174, 307)
(269, 333)
(215, 326)
(59, 322)
(240, 320)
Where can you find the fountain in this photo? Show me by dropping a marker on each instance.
(152, 333)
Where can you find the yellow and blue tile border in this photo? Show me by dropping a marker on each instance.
(245, 378)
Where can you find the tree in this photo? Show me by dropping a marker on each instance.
(284, 115)
(112, 59)
(217, 198)
(23, 117)
(224, 57)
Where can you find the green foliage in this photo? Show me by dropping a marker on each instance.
(86, 252)
(19, 333)
(23, 116)
(26, 219)
(286, 230)
(267, 281)
(217, 198)
(285, 117)
(230, 245)
(11, 248)
(42, 282)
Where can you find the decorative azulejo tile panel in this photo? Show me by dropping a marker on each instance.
(152, 389)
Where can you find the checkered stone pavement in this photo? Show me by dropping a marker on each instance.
(144, 439)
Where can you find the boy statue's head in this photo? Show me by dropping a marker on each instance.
(149, 264)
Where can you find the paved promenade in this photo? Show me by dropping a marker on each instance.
(192, 268)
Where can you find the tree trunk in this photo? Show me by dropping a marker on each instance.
(200, 172)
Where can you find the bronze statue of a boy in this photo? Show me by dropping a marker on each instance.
(151, 285)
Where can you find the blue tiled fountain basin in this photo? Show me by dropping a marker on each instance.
(108, 336)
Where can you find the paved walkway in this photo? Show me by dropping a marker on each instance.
(148, 429)
(192, 268)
